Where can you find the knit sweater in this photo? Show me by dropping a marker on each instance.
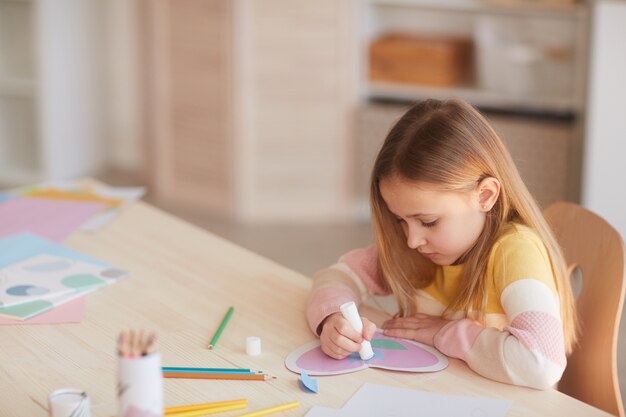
(522, 340)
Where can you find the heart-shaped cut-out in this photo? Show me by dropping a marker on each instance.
(389, 353)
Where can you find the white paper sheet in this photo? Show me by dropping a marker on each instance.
(385, 401)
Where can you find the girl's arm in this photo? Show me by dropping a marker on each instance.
(530, 350)
(355, 277)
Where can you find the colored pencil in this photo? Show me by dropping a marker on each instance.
(265, 411)
(131, 344)
(194, 407)
(210, 410)
(194, 375)
(150, 346)
(208, 370)
(205, 408)
(220, 329)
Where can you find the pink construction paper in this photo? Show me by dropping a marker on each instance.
(70, 312)
(52, 219)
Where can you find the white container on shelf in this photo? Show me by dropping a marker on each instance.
(522, 76)
(523, 58)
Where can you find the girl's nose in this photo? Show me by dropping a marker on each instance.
(415, 238)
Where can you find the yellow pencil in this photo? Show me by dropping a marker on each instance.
(208, 411)
(265, 411)
(194, 407)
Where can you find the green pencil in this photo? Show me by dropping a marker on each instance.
(223, 324)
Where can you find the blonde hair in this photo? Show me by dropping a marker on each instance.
(450, 144)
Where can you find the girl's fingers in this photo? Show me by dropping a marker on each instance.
(329, 347)
(344, 328)
(402, 333)
(339, 339)
(334, 351)
(369, 329)
(336, 345)
(413, 321)
(401, 323)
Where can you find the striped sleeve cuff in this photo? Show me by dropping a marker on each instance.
(323, 303)
(456, 338)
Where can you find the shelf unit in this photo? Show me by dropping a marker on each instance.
(479, 97)
(554, 34)
(50, 106)
(528, 77)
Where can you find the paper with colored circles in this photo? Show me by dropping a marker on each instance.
(19, 248)
(68, 311)
(45, 276)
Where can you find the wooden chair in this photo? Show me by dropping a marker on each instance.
(597, 249)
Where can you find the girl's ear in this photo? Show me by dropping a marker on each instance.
(488, 191)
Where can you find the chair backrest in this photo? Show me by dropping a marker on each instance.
(596, 249)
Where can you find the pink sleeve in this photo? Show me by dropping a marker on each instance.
(355, 278)
(325, 302)
(364, 264)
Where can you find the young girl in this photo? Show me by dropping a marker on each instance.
(463, 247)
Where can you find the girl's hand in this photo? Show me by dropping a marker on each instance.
(339, 339)
(419, 327)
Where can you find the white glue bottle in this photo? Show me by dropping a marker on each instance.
(350, 313)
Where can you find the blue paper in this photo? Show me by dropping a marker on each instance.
(22, 246)
(308, 384)
(5, 197)
(19, 247)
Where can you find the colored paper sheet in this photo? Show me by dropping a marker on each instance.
(28, 310)
(52, 219)
(308, 384)
(18, 248)
(5, 197)
(72, 311)
(114, 199)
(44, 277)
(128, 196)
(56, 194)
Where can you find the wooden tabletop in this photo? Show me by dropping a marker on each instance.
(182, 281)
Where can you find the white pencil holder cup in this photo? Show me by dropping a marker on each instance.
(140, 386)
(68, 402)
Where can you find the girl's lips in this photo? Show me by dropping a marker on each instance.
(429, 255)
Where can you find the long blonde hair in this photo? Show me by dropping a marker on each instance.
(450, 144)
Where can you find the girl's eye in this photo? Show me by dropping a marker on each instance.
(430, 224)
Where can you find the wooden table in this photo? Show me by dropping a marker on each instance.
(182, 281)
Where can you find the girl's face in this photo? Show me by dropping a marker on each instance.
(441, 225)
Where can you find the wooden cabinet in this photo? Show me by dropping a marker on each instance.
(248, 106)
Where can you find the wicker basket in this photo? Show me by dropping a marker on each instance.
(429, 60)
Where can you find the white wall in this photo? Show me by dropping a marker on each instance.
(69, 85)
(604, 158)
(123, 90)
